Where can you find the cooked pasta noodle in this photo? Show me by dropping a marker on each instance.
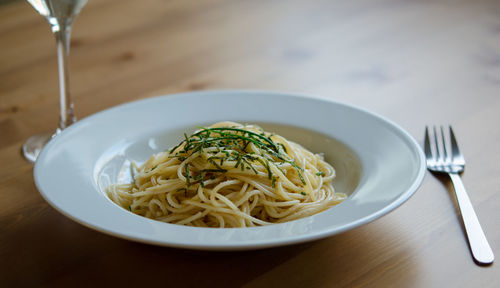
(230, 175)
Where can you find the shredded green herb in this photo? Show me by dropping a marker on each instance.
(240, 146)
(188, 176)
(319, 173)
(273, 181)
(303, 193)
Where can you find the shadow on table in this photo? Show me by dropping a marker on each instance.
(49, 249)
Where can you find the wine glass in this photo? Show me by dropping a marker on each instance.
(60, 14)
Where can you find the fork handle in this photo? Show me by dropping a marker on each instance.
(481, 250)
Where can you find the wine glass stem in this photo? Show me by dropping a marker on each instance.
(63, 33)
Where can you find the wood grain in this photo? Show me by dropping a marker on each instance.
(413, 62)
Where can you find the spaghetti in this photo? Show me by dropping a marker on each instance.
(230, 175)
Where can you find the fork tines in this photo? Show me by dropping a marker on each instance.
(439, 157)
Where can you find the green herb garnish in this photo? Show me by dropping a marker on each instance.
(235, 145)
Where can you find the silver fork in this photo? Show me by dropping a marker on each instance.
(453, 164)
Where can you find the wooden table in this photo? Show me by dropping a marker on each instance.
(414, 62)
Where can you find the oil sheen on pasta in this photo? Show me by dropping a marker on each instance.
(230, 175)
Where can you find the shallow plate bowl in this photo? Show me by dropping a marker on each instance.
(74, 168)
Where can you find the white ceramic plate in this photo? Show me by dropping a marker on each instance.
(75, 167)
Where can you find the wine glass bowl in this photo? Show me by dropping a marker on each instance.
(60, 14)
(58, 9)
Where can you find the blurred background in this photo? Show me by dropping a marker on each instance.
(380, 54)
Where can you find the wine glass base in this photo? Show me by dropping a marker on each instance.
(34, 145)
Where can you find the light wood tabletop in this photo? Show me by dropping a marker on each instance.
(416, 63)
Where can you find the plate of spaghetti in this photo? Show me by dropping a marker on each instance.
(234, 170)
